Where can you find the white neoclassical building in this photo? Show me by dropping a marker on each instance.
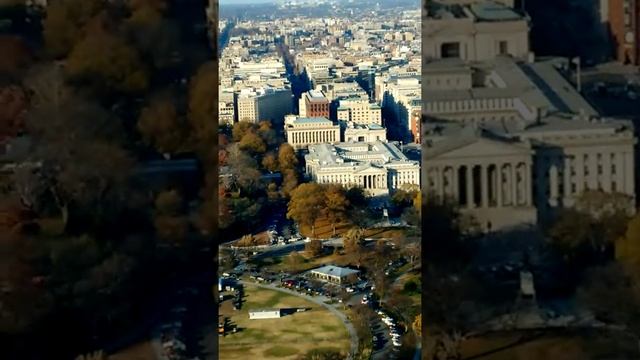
(380, 168)
(364, 133)
(513, 141)
(302, 132)
(474, 30)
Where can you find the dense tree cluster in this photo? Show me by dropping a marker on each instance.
(86, 241)
(312, 201)
(250, 154)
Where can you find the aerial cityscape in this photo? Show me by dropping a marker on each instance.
(320, 181)
(309, 179)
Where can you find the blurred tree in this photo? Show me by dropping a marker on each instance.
(161, 126)
(15, 56)
(287, 157)
(289, 182)
(65, 23)
(106, 63)
(306, 205)
(313, 248)
(14, 103)
(203, 103)
(240, 129)
(336, 205)
(253, 143)
(270, 162)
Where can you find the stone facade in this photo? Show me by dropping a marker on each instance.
(379, 168)
(302, 132)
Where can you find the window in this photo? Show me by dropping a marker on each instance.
(450, 50)
(503, 48)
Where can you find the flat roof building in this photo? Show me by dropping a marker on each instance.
(335, 274)
(265, 314)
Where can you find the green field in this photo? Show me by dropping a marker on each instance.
(283, 338)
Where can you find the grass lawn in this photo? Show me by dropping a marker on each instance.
(283, 338)
(585, 345)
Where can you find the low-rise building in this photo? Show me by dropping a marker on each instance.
(302, 132)
(335, 274)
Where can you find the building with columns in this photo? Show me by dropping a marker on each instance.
(302, 132)
(513, 142)
(379, 168)
(525, 177)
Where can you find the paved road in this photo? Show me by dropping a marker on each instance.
(320, 301)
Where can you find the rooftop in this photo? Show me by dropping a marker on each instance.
(332, 270)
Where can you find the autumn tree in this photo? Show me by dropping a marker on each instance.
(14, 103)
(417, 325)
(627, 247)
(244, 169)
(64, 25)
(155, 35)
(289, 182)
(270, 162)
(353, 242)
(336, 205)
(252, 143)
(107, 63)
(240, 129)
(287, 157)
(267, 133)
(170, 223)
(306, 205)
(15, 55)
(74, 138)
(161, 126)
(313, 248)
(203, 100)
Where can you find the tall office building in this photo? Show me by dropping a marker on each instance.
(313, 104)
(624, 27)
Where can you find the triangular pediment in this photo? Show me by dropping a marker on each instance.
(367, 170)
(480, 147)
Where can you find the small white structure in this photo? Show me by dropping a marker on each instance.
(527, 289)
(264, 314)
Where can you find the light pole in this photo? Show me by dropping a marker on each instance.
(576, 61)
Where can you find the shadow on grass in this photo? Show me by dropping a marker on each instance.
(521, 341)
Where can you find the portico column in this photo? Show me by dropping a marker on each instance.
(456, 183)
(620, 172)
(499, 185)
(606, 172)
(514, 184)
(484, 174)
(580, 173)
(470, 186)
(553, 179)
(528, 188)
(567, 177)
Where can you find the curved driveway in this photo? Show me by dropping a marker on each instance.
(317, 300)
